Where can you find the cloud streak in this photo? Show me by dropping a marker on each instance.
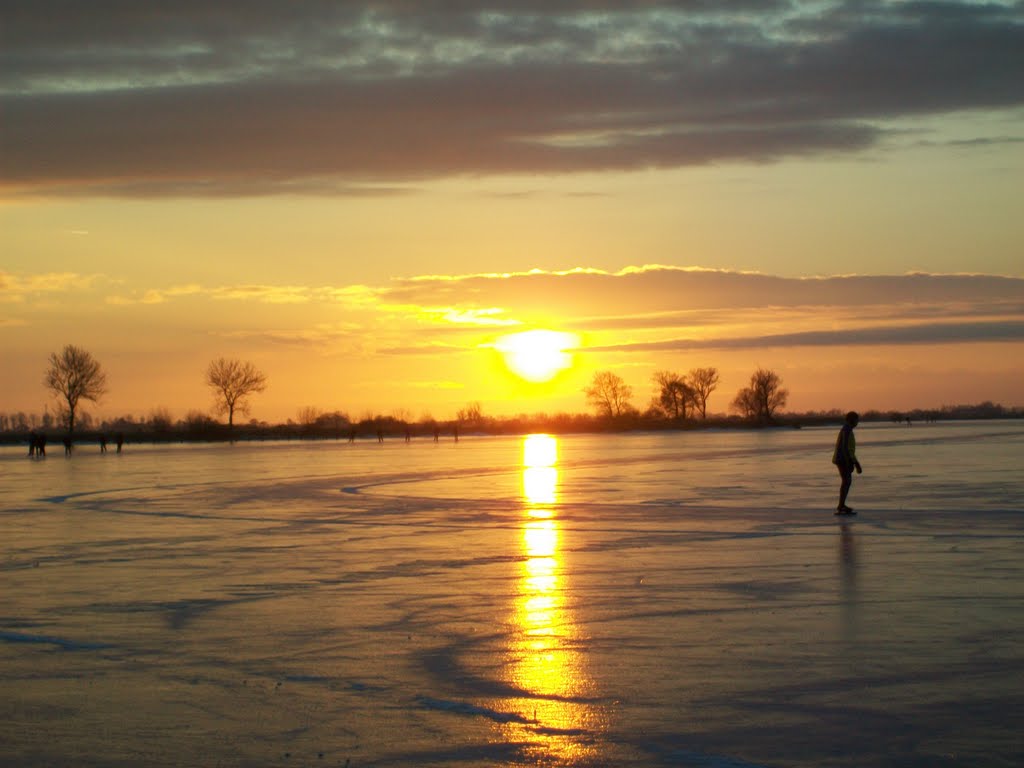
(638, 309)
(199, 99)
(18, 288)
(935, 333)
(586, 295)
(666, 308)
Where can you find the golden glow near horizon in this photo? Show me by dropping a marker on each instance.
(543, 656)
(537, 355)
(427, 346)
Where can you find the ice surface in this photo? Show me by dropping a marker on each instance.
(683, 599)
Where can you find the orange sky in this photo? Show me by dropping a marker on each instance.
(362, 199)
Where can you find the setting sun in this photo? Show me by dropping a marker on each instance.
(537, 355)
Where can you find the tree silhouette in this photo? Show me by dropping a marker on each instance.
(746, 403)
(73, 375)
(308, 415)
(232, 381)
(674, 394)
(609, 394)
(160, 419)
(702, 381)
(472, 414)
(763, 397)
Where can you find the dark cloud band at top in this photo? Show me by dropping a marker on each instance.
(142, 99)
(212, 138)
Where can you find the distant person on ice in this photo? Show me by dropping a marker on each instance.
(845, 459)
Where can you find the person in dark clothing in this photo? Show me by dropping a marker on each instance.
(845, 458)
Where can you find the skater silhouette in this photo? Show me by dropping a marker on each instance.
(845, 458)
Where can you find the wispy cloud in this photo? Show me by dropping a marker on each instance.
(652, 289)
(490, 317)
(648, 307)
(17, 288)
(673, 308)
(265, 294)
(432, 348)
(325, 338)
(141, 100)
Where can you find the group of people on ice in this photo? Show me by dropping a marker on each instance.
(37, 444)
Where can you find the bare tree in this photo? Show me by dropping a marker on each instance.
(232, 381)
(674, 395)
(334, 420)
(308, 415)
(702, 381)
(763, 397)
(745, 403)
(197, 421)
(160, 419)
(472, 414)
(609, 394)
(74, 375)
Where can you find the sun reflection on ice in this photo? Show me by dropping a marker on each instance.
(544, 655)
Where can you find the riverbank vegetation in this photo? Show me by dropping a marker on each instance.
(312, 424)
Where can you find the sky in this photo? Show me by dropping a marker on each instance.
(365, 199)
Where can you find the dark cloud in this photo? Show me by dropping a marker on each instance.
(671, 302)
(143, 98)
(585, 295)
(877, 313)
(224, 186)
(936, 333)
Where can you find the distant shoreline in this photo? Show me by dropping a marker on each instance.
(391, 430)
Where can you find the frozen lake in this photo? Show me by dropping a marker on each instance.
(680, 599)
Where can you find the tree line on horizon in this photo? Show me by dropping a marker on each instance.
(73, 375)
(678, 395)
